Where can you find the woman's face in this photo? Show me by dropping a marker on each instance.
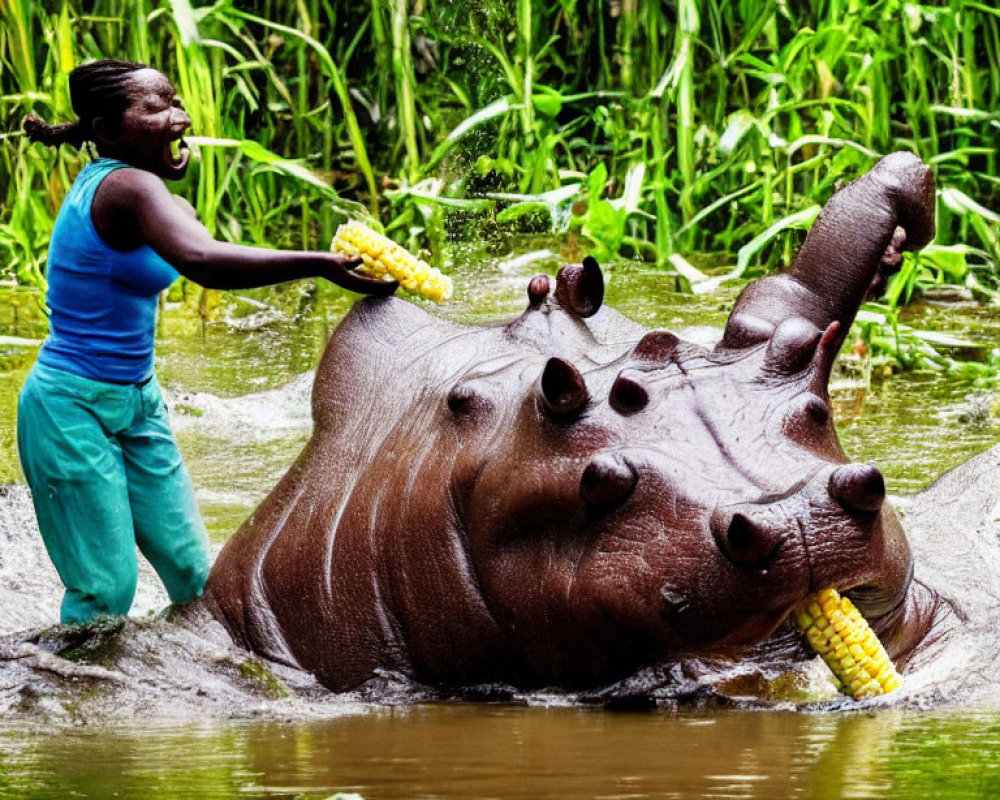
(149, 134)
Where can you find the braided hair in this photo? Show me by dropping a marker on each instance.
(100, 89)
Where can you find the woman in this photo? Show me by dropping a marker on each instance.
(93, 435)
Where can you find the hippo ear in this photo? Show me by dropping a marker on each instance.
(797, 344)
(580, 287)
(538, 290)
(562, 390)
(849, 252)
(825, 354)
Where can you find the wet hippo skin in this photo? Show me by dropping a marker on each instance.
(565, 498)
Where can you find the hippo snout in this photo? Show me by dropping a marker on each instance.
(753, 534)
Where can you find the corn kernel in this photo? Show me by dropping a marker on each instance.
(836, 630)
(382, 256)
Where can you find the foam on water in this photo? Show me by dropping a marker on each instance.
(253, 417)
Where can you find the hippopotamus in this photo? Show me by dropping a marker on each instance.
(568, 497)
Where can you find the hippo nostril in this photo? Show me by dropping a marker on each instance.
(628, 395)
(744, 541)
(858, 487)
(563, 391)
(607, 479)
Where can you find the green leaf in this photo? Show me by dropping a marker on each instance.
(738, 125)
(632, 193)
(518, 210)
(548, 102)
(605, 227)
(800, 219)
(261, 155)
(554, 202)
(959, 202)
(551, 197)
(686, 269)
(429, 191)
(495, 109)
(949, 259)
(187, 27)
(595, 182)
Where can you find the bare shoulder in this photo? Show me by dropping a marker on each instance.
(130, 186)
(127, 203)
(133, 207)
(184, 205)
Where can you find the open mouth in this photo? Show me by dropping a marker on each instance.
(880, 608)
(875, 602)
(177, 155)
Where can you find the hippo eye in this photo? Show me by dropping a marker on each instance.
(816, 408)
(464, 400)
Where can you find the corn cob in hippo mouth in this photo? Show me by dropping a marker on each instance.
(382, 256)
(836, 630)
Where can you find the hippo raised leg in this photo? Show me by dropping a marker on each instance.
(567, 497)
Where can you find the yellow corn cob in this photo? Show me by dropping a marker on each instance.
(836, 631)
(382, 256)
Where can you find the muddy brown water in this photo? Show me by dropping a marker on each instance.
(239, 386)
(471, 751)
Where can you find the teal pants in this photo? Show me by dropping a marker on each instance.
(105, 476)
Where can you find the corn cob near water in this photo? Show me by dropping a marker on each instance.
(836, 631)
(382, 256)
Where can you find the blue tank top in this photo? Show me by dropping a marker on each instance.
(103, 301)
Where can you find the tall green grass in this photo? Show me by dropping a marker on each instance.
(712, 125)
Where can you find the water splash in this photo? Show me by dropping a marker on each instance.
(30, 589)
(270, 414)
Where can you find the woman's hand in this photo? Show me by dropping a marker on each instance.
(342, 272)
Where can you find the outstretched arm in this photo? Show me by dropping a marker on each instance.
(136, 200)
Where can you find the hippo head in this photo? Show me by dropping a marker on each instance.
(677, 500)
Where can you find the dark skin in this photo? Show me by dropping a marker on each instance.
(134, 206)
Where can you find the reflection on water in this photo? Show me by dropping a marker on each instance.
(471, 751)
(915, 426)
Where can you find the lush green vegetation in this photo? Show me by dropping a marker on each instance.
(630, 129)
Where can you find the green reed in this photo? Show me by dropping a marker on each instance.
(745, 114)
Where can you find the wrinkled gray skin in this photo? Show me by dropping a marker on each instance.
(567, 498)
(954, 526)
